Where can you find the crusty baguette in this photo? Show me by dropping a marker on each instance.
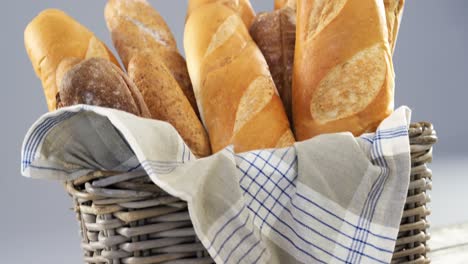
(232, 83)
(393, 12)
(137, 27)
(241, 7)
(53, 36)
(98, 82)
(275, 34)
(167, 102)
(343, 74)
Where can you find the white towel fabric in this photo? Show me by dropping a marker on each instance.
(331, 199)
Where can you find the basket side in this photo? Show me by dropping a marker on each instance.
(124, 218)
(411, 245)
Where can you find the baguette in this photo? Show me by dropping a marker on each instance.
(343, 74)
(53, 36)
(232, 83)
(275, 34)
(393, 13)
(167, 102)
(149, 52)
(137, 27)
(241, 7)
(98, 82)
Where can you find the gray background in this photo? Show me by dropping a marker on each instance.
(431, 64)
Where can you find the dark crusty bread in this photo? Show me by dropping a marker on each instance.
(64, 66)
(98, 82)
(53, 36)
(168, 103)
(275, 35)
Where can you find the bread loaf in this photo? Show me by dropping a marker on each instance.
(280, 4)
(137, 27)
(98, 82)
(241, 7)
(149, 52)
(343, 75)
(64, 66)
(393, 13)
(232, 83)
(167, 102)
(275, 34)
(53, 36)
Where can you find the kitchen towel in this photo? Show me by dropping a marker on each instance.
(332, 199)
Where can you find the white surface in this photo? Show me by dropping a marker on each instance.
(449, 195)
(450, 244)
(457, 255)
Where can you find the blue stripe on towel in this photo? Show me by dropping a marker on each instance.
(367, 213)
(38, 135)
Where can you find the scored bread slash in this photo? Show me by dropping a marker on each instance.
(241, 7)
(350, 87)
(343, 76)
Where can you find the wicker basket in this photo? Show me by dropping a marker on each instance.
(125, 218)
(411, 244)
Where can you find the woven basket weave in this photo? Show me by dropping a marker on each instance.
(411, 244)
(125, 218)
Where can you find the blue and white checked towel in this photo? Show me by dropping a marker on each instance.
(331, 199)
